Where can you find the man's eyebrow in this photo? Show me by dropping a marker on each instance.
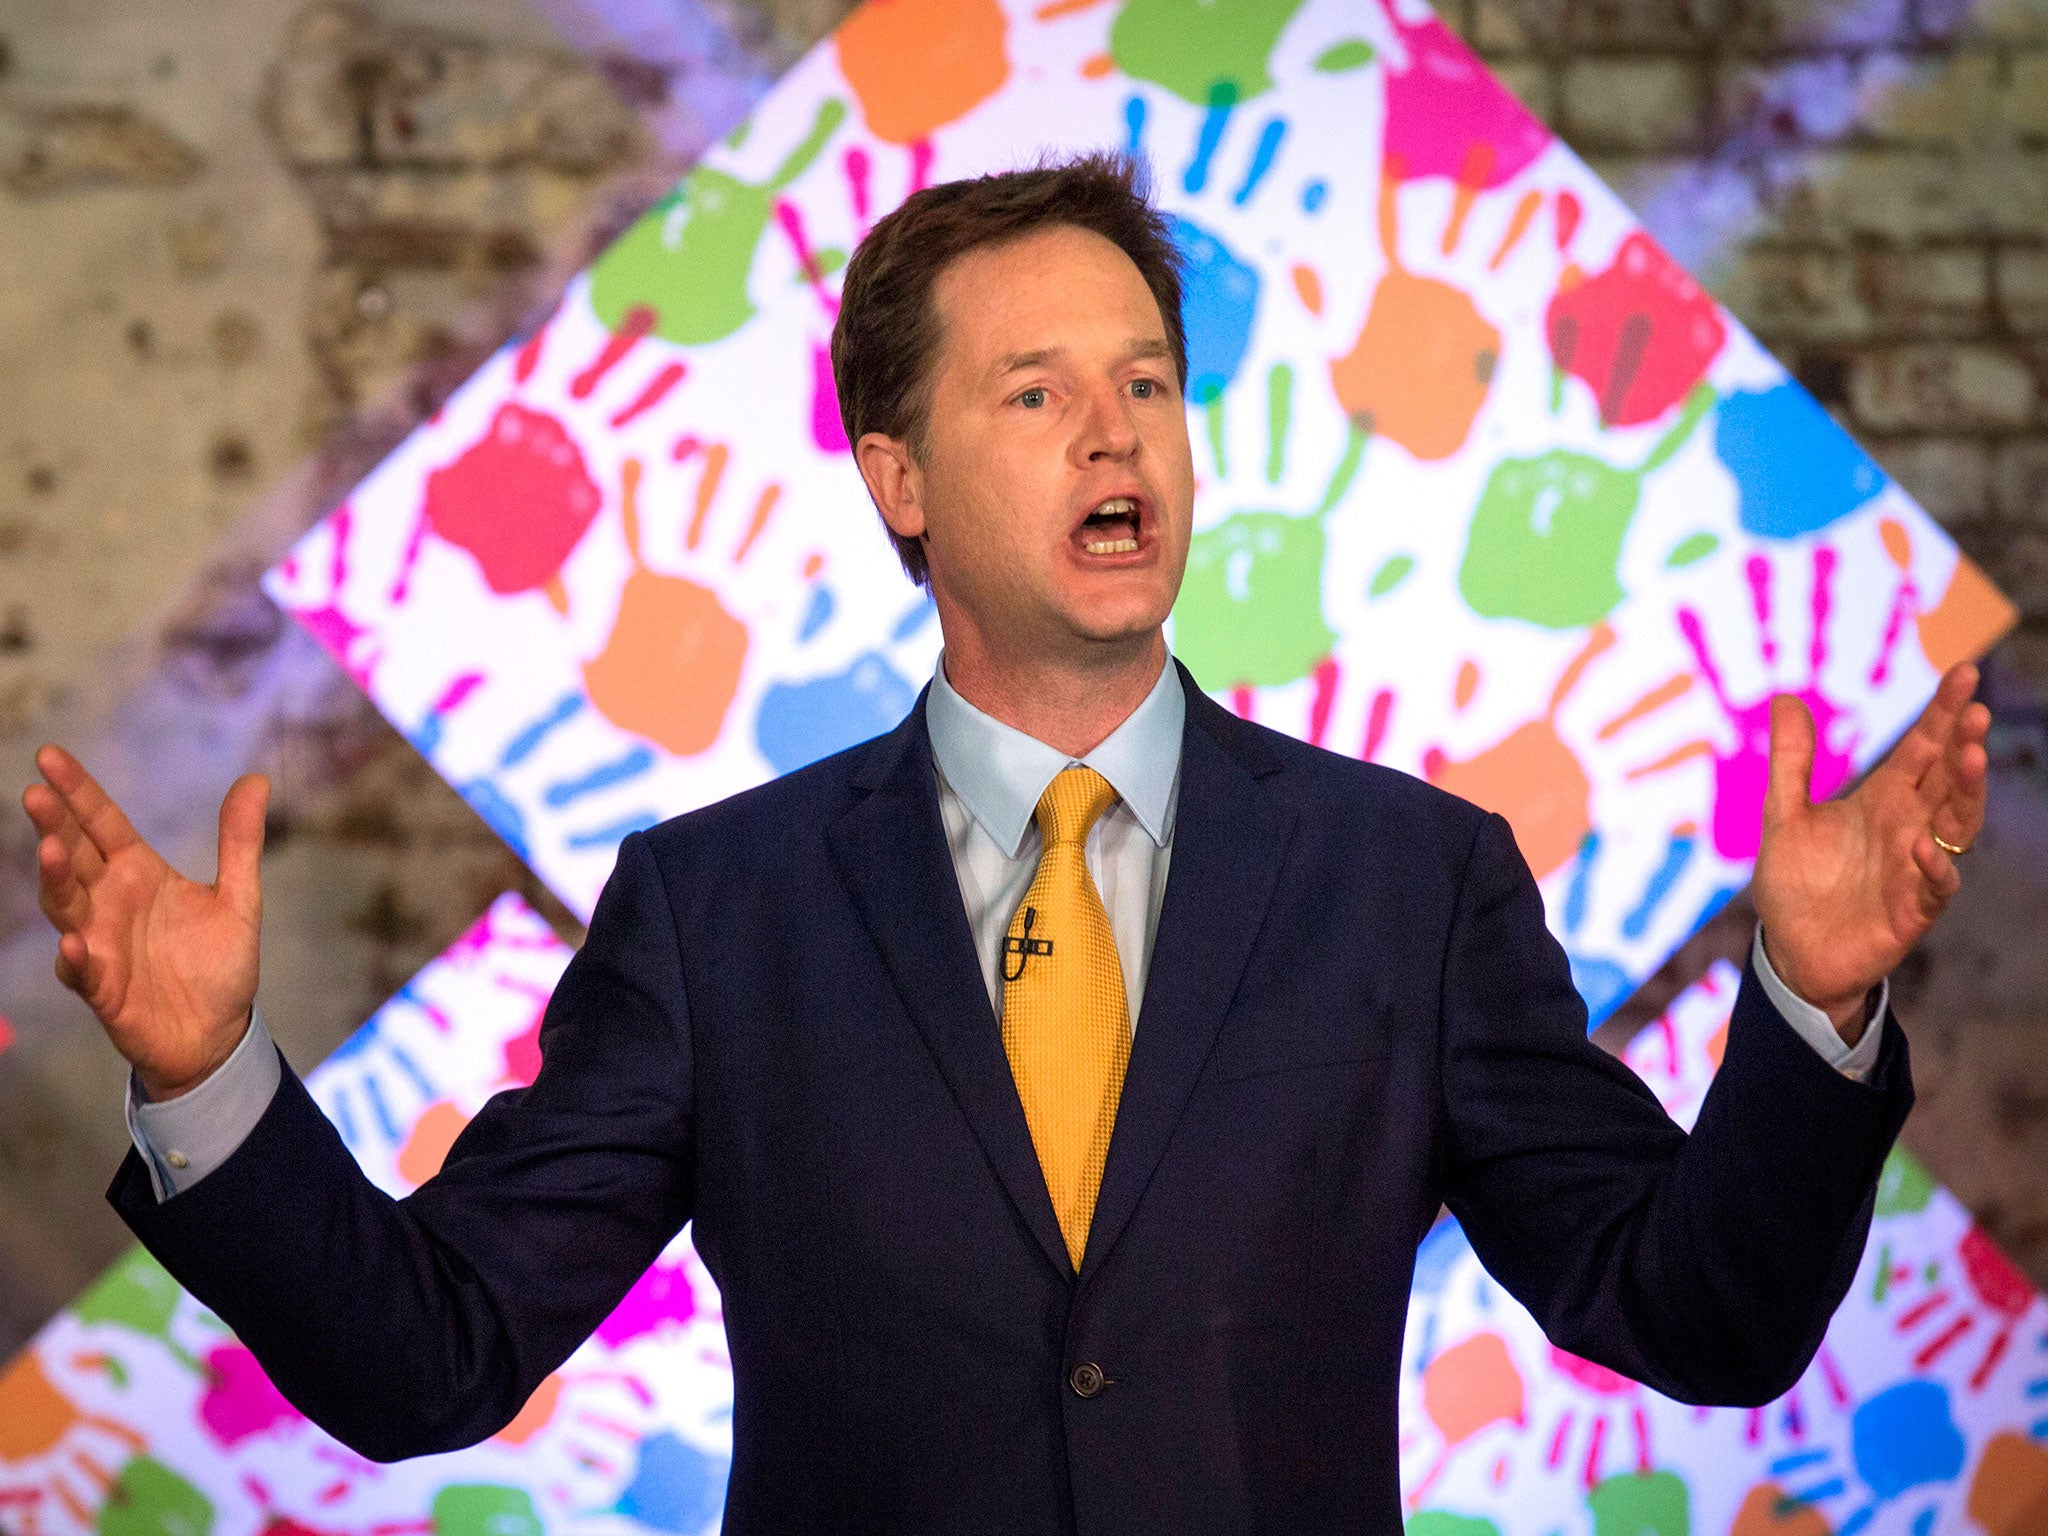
(1017, 362)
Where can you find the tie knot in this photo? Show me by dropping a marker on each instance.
(1071, 803)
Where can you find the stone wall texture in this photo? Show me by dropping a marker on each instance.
(244, 244)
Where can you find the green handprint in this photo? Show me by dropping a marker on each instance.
(1545, 543)
(1641, 1504)
(139, 1295)
(1439, 1522)
(148, 1499)
(484, 1509)
(1904, 1188)
(1250, 612)
(688, 257)
(1193, 47)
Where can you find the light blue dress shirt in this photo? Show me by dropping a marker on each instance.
(990, 778)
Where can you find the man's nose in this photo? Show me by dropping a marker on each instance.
(1107, 428)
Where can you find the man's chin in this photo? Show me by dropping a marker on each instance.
(1088, 621)
(1109, 609)
(1113, 625)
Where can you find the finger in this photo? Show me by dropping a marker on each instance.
(76, 967)
(1792, 748)
(52, 818)
(46, 809)
(1922, 747)
(1940, 879)
(241, 844)
(95, 809)
(58, 891)
(1970, 726)
(1958, 818)
(1956, 771)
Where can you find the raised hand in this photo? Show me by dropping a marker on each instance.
(168, 964)
(1846, 888)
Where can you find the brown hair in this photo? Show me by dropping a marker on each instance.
(887, 334)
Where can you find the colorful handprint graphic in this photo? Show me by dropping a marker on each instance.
(1639, 334)
(1421, 365)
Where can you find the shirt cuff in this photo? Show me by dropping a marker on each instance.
(1813, 1025)
(184, 1139)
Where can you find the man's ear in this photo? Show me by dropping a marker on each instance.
(894, 481)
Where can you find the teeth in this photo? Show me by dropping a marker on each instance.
(1116, 506)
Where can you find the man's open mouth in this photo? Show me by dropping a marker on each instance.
(1112, 528)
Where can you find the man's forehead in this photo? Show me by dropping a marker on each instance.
(1009, 305)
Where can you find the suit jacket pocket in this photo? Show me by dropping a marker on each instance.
(1299, 1042)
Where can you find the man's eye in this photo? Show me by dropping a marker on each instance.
(1032, 399)
(1144, 389)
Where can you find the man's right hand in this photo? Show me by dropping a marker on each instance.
(169, 965)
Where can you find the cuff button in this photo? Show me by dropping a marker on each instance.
(177, 1159)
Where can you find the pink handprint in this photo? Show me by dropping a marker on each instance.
(1602, 1387)
(1742, 768)
(240, 1402)
(1447, 115)
(1995, 1294)
(1640, 333)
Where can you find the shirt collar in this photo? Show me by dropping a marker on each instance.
(999, 772)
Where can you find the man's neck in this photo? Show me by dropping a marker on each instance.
(1070, 707)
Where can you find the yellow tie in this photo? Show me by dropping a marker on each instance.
(1066, 1022)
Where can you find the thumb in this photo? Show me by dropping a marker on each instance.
(1792, 748)
(241, 843)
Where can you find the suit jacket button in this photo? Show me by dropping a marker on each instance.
(1086, 1379)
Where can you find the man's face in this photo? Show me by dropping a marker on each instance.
(1057, 484)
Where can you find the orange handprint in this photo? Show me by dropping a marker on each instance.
(37, 1418)
(1422, 363)
(671, 667)
(916, 65)
(1969, 616)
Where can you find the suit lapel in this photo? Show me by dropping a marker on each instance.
(891, 854)
(1228, 842)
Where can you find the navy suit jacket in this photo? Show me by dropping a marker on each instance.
(777, 1028)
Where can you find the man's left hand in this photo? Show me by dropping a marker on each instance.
(1844, 889)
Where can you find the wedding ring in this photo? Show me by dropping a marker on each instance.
(1945, 846)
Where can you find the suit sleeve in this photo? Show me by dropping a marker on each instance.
(411, 1326)
(1705, 1266)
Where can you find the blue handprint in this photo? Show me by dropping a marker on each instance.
(802, 721)
(1794, 469)
(1902, 1439)
(676, 1487)
(501, 810)
(1220, 290)
(1603, 983)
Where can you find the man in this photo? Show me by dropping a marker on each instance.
(1060, 1083)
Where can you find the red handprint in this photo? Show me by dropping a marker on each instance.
(1641, 333)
